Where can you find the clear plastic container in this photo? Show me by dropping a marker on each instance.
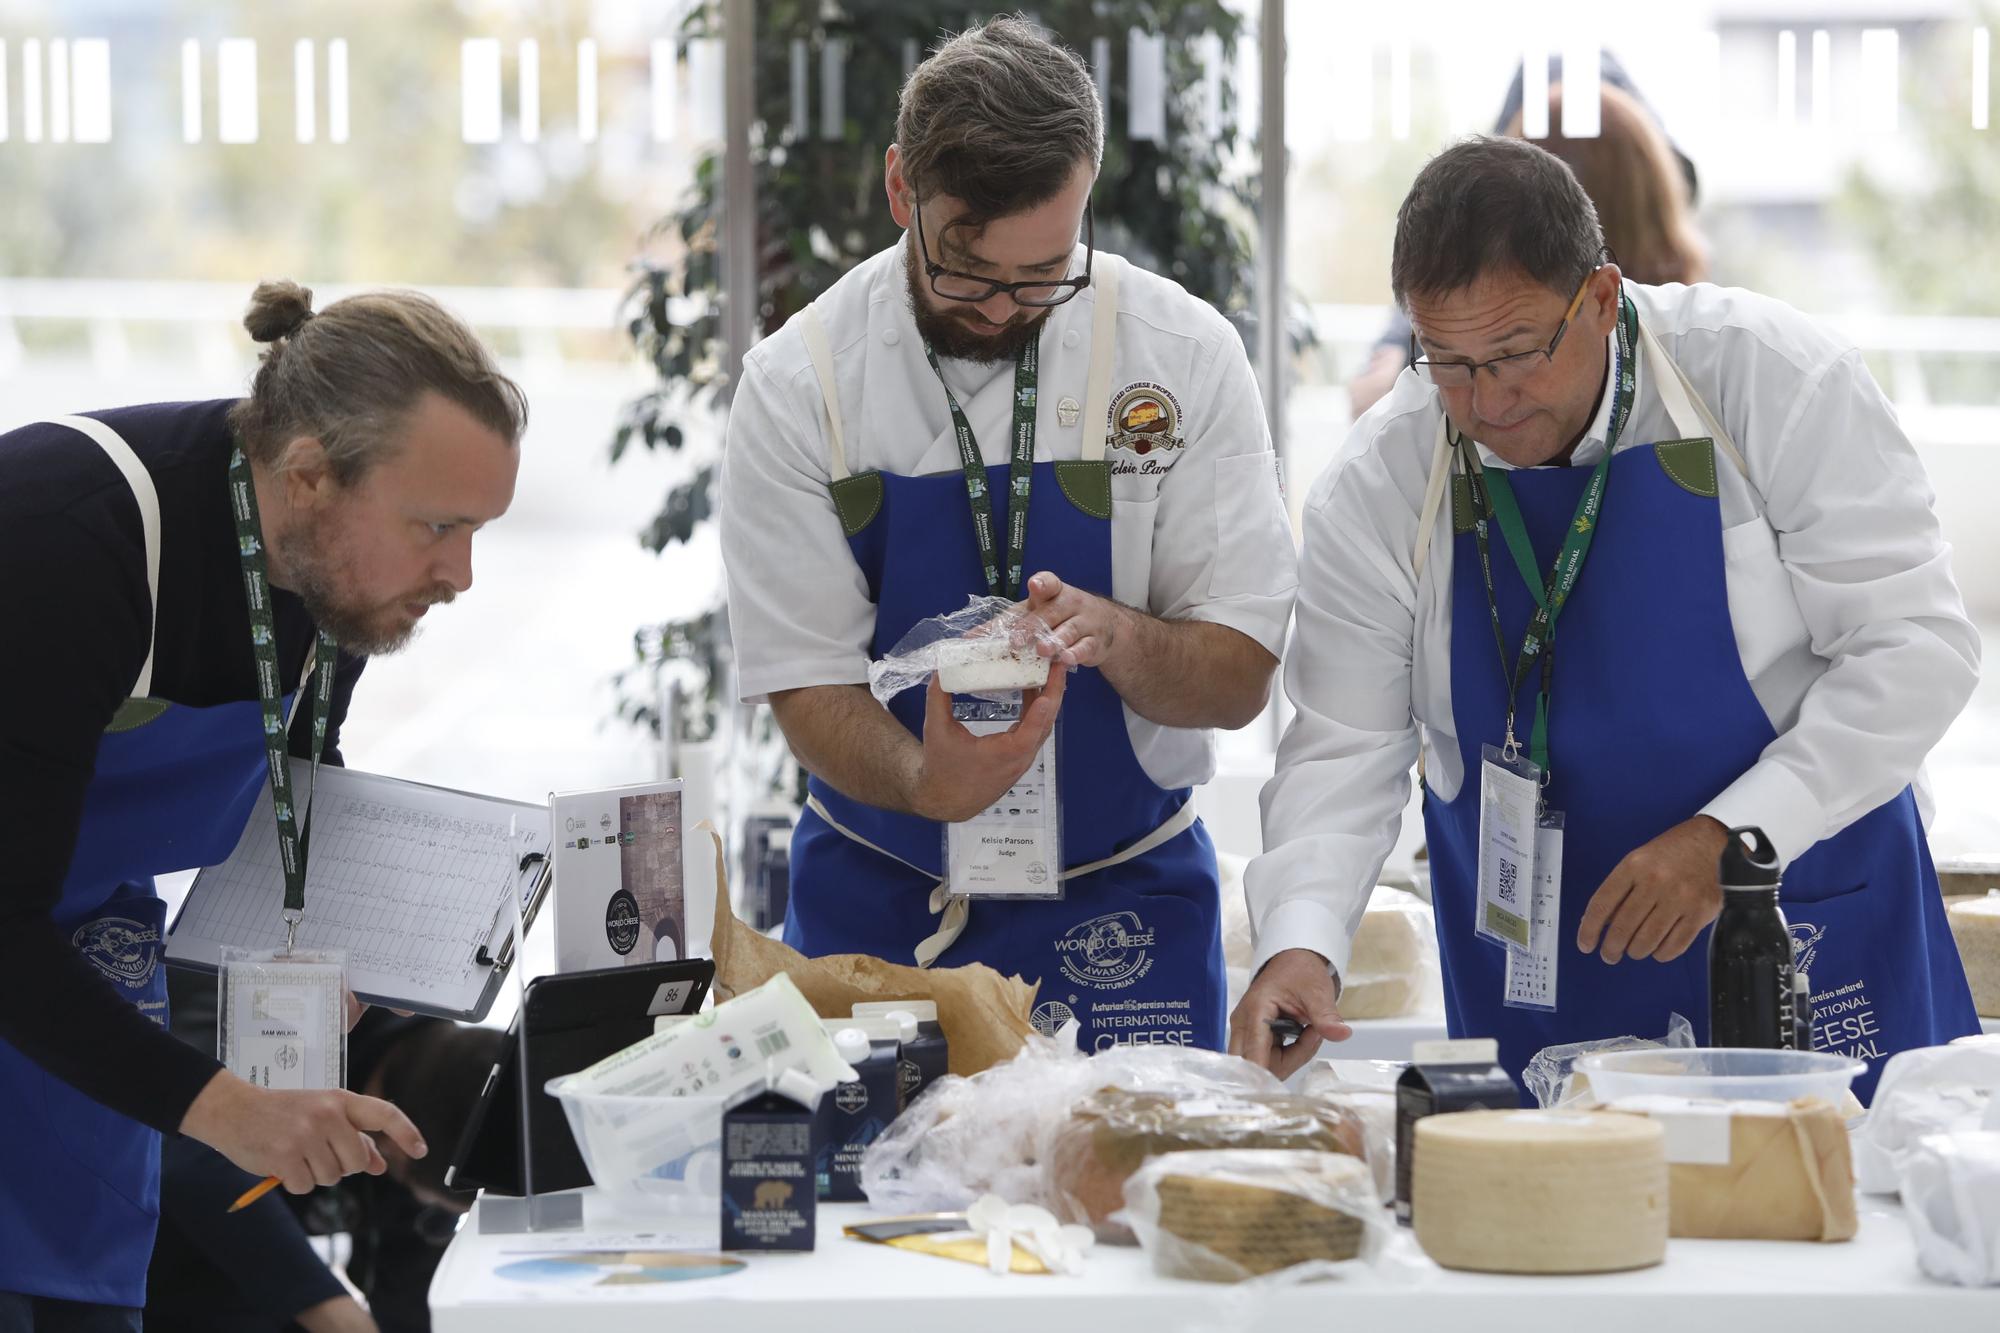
(1720, 1073)
(653, 1156)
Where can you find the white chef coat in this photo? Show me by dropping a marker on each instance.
(1207, 538)
(1849, 624)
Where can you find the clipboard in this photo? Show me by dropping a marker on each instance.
(413, 881)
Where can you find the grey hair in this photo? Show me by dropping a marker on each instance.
(1000, 117)
(350, 374)
(1490, 205)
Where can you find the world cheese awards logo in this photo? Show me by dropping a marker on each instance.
(124, 950)
(1109, 952)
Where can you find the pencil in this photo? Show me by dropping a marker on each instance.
(254, 1193)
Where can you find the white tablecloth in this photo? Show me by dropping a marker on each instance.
(1870, 1285)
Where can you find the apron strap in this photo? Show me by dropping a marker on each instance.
(821, 352)
(1434, 493)
(1688, 412)
(148, 498)
(956, 909)
(1103, 334)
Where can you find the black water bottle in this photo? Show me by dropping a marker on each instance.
(1750, 951)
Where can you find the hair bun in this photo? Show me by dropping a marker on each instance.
(277, 310)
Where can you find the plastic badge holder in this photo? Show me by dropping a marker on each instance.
(1728, 1074)
(281, 1017)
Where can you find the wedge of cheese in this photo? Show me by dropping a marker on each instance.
(1755, 1170)
(967, 666)
(1541, 1191)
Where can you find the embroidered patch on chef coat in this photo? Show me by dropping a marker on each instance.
(1145, 422)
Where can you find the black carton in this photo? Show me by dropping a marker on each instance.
(855, 1114)
(1445, 1076)
(926, 1057)
(769, 1195)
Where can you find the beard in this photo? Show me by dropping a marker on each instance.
(950, 336)
(318, 573)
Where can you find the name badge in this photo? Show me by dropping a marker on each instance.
(284, 1018)
(1013, 848)
(1531, 973)
(1510, 793)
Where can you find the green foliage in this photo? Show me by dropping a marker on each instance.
(1179, 207)
(1933, 239)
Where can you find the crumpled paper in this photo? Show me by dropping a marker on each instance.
(986, 1017)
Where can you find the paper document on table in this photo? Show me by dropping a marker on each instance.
(413, 882)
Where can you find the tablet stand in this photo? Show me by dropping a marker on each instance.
(501, 1214)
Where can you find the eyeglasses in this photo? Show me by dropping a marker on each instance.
(955, 286)
(1504, 369)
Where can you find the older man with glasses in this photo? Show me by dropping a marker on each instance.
(992, 407)
(1628, 567)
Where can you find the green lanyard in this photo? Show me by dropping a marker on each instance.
(1493, 498)
(292, 836)
(1020, 474)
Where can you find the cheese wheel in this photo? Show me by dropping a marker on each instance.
(1975, 924)
(1540, 1191)
(1387, 972)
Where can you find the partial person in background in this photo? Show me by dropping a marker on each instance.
(1643, 187)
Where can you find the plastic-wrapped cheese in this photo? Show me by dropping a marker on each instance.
(1392, 969)
(990, 662)
(1747, 1170)
(1975, 924)
(1541, 1191)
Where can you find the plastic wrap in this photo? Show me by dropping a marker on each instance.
(1234, 1215)
(1367, 1088)
(991, 1133)
(1393, 971)
(1931, 1090)
(986, 630)
(1951, 1196)
(1552, 1075)
(1116, 1130)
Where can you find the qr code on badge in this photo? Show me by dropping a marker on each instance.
(1509, 877)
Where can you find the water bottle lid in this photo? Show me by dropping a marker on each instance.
(1749, 861)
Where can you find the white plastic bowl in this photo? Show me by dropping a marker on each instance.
(1721, 1073)
(657, 1155)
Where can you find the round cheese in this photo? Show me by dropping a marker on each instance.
(1386, 971)
(1975, 924)
(1540, 1191)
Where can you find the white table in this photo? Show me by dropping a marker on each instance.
(1870, 1285)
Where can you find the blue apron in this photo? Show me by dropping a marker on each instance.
(79, 1183)
(1132, 951)
(1653, 718)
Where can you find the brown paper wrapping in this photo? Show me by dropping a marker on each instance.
(1789, 1177)
(985, 1016)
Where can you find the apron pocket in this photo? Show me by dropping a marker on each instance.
(1811, 893)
